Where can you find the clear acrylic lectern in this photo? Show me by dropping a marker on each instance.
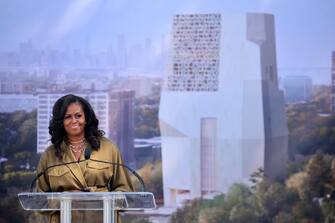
(109, 202)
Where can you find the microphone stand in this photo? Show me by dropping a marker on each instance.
(127, 167)
(98, 161)
(45, 170)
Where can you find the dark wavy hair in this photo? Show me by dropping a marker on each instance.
(56, 128)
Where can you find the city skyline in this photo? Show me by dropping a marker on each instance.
(139, 58)
(304, 34)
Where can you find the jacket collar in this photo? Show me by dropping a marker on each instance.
(75, 168)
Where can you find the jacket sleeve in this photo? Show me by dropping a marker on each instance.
(121, 180)
(42, 184)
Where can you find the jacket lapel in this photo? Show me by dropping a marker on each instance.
(75, 169)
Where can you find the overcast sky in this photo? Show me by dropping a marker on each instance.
(305, 29)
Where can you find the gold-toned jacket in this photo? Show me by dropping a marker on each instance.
(88, 175)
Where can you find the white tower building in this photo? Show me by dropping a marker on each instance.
(221, 113)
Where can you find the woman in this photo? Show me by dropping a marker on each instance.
(74, 128)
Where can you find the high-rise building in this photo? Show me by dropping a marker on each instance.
(12, 87)
(121, 127)
(332, 105)
(98, 100)
(222, 116)
(297, 88)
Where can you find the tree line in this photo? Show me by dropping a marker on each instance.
(306, 196)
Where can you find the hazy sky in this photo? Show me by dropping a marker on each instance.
(305, 29)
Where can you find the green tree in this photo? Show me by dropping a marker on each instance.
(18, 138)
(146, 116)
(242, 214)
(282, 217)
(11, 211)
(328, 210)
(307, 211)
(308, 130)
(298, 183)
(152, 177)
(213, 214)
(318, 175)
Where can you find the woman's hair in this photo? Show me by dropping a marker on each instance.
(56, 128)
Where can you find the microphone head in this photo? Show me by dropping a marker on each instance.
(88, 153)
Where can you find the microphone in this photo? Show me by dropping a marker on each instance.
(52, 166)
(88, 153)
(87, 156)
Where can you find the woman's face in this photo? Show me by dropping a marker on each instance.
(74, 121)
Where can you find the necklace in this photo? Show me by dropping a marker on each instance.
(77, 147)
(77, 142)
